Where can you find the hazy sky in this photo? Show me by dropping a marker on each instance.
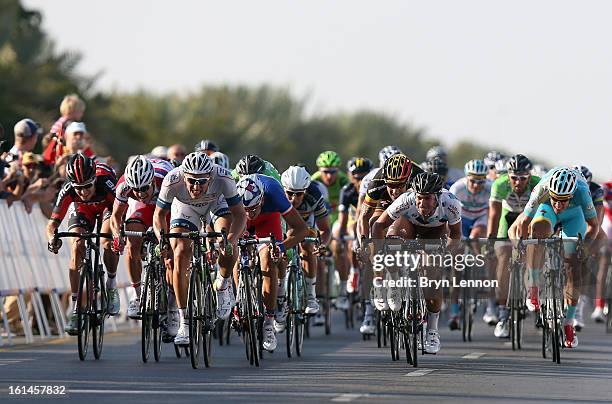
(531, 76)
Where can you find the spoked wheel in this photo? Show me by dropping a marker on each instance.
(99, 306)
(146, 323)
(84, 303)
(546, 332)
(196, 317)
(160, 308)
(300, 318)
(407, 332)
(556, 331)
(415, 332)
(291, 315)
(327, 306)
(177, 351)
(208, 325)
(394, 332)
(465, 315)
(379, 329)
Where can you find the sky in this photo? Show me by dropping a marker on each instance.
(532, 77)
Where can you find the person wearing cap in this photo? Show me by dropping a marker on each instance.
(26, 136)
(75, 140)
(71, 109)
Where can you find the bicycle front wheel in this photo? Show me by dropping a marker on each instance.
(195, 303)
(290, 319)
(208, 323)
(146, 326)
(300, 316)
(84, 302)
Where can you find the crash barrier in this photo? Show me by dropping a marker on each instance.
(29, 273)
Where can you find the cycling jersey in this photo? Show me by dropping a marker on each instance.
(447, 211)
(313, 206)
(377, 195)
(269, 170)
(597, 193)
(581, 198)
(186, 212)
(365, 182)
(275, 204)
(512, 203)
(333, 191)
(84, 213)
(349, 196)
(474, 206)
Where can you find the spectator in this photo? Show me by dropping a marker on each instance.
(176, 152)
(72, 108)
(26, 136)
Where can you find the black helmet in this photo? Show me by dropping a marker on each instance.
(80, 169)
(519, 164)
(437, 165)
(250, 164)
(206, 145)
(359, 165)
(427, 183)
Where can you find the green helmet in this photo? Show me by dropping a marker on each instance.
(328, 159)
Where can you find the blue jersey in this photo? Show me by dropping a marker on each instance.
(275, 199)
(581, 198)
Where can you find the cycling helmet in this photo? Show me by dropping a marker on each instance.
(475, 167)
(562, 183)
(519, 164)
(328, 159)
(397, 169)
(491, 158)
(295, 178)
(139, 172)
(427, 183)
(250, 164)
(359, 165)
(436, 151)
(220, 159)
(501, 166)
(80, 169)
(197, 163)
(436, 165)
(586, 173)
(539, 170)
(251, 190)
(206, 145)
(386, 152)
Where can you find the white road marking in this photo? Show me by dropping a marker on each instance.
(420, 372)
(474, 355)
(345, 398)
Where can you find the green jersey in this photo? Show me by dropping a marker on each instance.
(333, 191)
(512, 203)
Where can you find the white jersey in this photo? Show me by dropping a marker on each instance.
(222, 185)
(365, 182)
(448, 210)
(473, 205)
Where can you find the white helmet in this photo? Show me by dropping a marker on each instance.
(562, 183)
(387, 152)
(436, 151)
(295, 178)
(139, 172)
(475, 167)
(501, 166)
(197, 163)
(251, 190)
(221, 159)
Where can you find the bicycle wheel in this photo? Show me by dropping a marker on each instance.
(291, 315)
(394, 332)
(160, 310)
(300, 318)
(556, 332)
(331, 271)
(465, 308)
(84, 302)
(379, 330)
(417, 326)
(407, 334)
(195, 306)
(146, 323)
(546, 339)
(99, 314)
(208, 323)
(251, 325)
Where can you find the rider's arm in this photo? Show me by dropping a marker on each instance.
(495, 211)
(381, 224)
(239, 221)
(52, 225)
(116, 219)
(592, 228)
(323, 226)
(297, 228)
(454, 231)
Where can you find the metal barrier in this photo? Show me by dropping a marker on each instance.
(28, 270)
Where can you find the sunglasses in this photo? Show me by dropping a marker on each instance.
(291, 194)
(330, 171)
(562, 200)
(477, 182)
(395, 185)
(142, 189)
(197, 181)
(83, 186)
(519, 177)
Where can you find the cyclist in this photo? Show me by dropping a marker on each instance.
(509, 195)
(91, 187)
(265, 203)
(206, 146)
(473, 191)
(438, 166)
(454, 174)
(560, 200)
(307, 199)
(135, 199)
(199, 190)
(386, 186)
(357, 168)
(221, 159)
(490, 160)
(383, 155)
(252, 164)
(426, 212)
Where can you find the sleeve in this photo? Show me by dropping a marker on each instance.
(64, 199)
(454, 210)
(399, 206)
(122, 192)
(598, 196)
(496, 189)
(235, 175)
(272, 171)
(588, 208)
(375, 190)
(168, 189)
(275, 191)
(320, 206)
(538, 194)
(345, 202)
(229, 191)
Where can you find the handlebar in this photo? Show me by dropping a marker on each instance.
(89, 236)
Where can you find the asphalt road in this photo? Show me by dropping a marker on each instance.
(337, 368)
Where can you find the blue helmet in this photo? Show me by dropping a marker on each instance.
(476, 167)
